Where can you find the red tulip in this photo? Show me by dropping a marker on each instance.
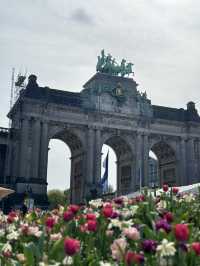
(175, 190)
(140, 198)
(73, 208)
(196, 248)
(91, 216)
(107, 212)
(68, 215)
(92, 225)
(169, 217)
(12, 216)
(133, 258)
(71, 246)
(50, 221)
(182, 232)
(165, 187)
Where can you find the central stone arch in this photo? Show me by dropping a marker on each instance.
(124, 149)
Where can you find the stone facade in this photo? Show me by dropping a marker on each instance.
(109, 110)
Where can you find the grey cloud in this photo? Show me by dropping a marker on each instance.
(80, 15)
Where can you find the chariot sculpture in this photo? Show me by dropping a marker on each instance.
(108, 65)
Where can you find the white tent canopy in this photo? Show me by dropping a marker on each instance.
(194, 188)
(5, 192)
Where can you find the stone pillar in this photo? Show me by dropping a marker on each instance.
(119, 178)
(182, 163)
(138, 168)
(24, 148)
(133, 176)
(9, 161)
(44, 152)
(198, 161)
(145, 160)
(71, 179)
(97, 156)
(190, 161)
(35, 148)
(90, 155)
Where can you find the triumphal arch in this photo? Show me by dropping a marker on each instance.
(108, 110)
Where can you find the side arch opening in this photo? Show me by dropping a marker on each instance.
(166, 163)
(70, 147)
(122, 172)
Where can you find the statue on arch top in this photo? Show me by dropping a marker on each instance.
(108, 65)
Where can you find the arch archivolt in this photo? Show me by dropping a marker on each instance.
(74, 137)
(171, 141)
(119, 142)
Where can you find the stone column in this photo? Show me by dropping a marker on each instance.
(145, 160)
(119, 179)
(35, 148)
(97, 156)
(16, 159)
(133, 176)
(90, 155)
(182, 163)
(190, 161)
(71, 179)
(198, 160)
(9, 160)
(138, 168)
(24, 148)
(44, 152)
(118, 185)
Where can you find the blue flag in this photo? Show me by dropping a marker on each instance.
(104, 179)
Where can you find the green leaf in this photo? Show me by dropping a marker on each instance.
(29, 254)
(57, 251)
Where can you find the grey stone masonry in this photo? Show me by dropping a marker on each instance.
(108, 110)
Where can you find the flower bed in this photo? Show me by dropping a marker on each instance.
(145, 230)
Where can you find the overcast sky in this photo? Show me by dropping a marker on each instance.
(59, 40)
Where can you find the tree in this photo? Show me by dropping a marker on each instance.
(58, 197)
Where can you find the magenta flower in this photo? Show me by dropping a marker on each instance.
(163, 224)
(71, 246)
(149, 245)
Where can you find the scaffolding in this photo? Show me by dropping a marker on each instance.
(17, 84)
